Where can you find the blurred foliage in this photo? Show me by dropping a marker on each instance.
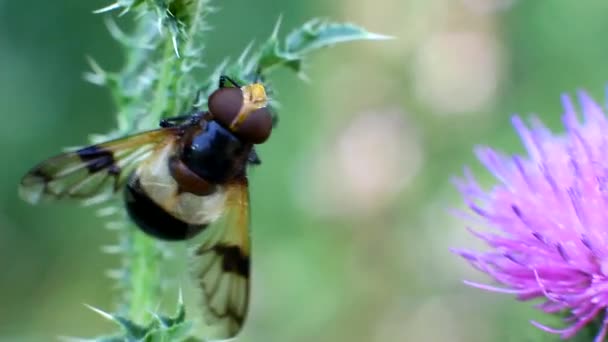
(361, 276)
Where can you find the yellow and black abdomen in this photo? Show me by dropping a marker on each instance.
(178, 190)
(151, 218)
(160, 208)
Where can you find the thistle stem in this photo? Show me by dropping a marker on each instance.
(144, 267)
(145, 255)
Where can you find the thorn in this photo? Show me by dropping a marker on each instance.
(108, 8)
(159, 24)
(112, 249)
(275, 31)
(107, 211)
(94, 65)
(98, 76)
(241, 59)
(116, 274)
(314, 23)
(102, 313)
(124, 11)
(377, 36)
(122, 37)
(158, 319)
(116, 32)
(100, 198)
(174, 40)
(115, 225)
(302, 76)
(93, 78)
(180, 296)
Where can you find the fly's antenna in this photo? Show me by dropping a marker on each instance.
(259, 78)
(224, 79)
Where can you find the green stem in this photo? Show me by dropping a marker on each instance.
(145, 254)
(145, 259)
(160, 104)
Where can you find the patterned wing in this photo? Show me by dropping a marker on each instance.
(92, 173)
(221, 264)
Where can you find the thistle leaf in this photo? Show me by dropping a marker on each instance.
(317, 34)
(313, 35)
(290, 52)
(161, 329)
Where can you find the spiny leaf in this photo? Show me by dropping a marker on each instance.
(177, 332)
(312, 36)
(290, 52)
(317, 34)
(124, 5)
(161, 329)
(173, 16)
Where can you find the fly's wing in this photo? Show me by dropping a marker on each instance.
(93, 173)
(220, 264)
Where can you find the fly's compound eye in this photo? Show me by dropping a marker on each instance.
(256, 128)
(225, 104)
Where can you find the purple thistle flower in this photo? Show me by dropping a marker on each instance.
(547, 218)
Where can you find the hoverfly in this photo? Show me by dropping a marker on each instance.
(176, 181)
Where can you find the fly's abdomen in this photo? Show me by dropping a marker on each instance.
(153, 220)
(159, 205)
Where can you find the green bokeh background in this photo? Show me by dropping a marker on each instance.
(334, 260)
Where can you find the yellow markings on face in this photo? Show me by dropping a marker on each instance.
(254, 97)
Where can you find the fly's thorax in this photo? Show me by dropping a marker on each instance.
(213, 153)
